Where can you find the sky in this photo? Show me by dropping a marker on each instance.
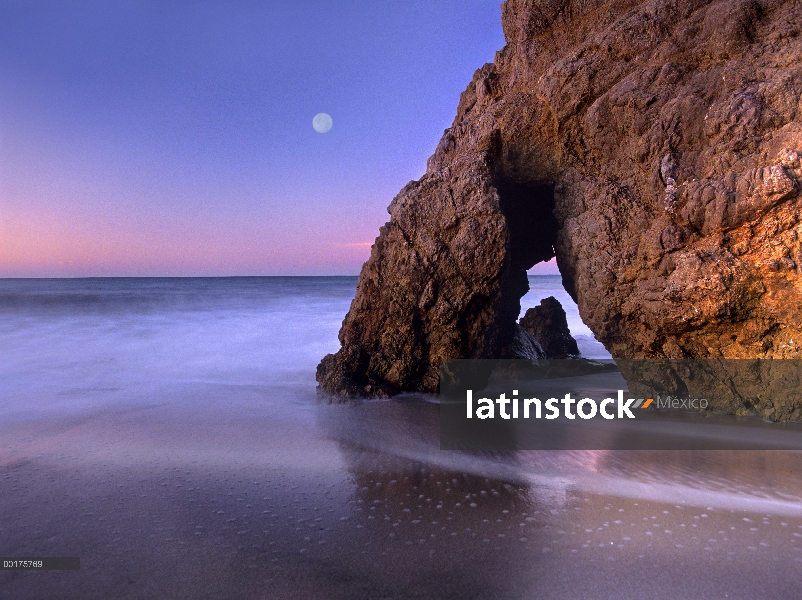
(175, 138)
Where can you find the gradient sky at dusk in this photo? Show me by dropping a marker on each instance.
(175, 138)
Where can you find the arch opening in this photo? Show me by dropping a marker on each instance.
(528, 208)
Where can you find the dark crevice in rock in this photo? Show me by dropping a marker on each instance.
(528, 209)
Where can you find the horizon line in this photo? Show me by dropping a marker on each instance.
(210, 276)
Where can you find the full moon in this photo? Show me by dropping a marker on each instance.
(322, 122)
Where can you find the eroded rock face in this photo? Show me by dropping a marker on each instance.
(548, 324)
(654, 147)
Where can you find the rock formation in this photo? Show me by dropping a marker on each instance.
(548, 325)
(654, 147)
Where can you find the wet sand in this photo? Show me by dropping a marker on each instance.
(231, 492)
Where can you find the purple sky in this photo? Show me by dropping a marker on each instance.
(175, 138)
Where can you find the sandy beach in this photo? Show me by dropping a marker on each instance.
(222, 494)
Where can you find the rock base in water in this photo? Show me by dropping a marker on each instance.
(548, 325)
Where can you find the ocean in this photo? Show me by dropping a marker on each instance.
(73, 343)
(167, 432)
